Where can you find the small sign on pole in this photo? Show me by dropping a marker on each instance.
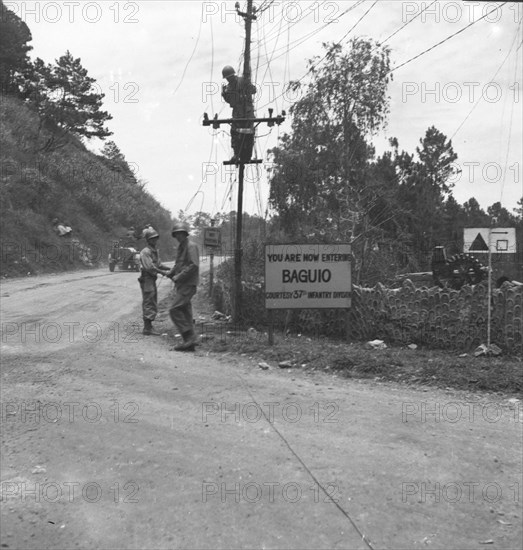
(212, 237)
(480, 239)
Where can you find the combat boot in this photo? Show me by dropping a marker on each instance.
(189, 341)
(148, 328)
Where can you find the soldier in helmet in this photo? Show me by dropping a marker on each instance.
(185, 275)
(238, 94)
(151, 267)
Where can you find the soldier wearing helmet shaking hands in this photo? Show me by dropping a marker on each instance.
(185, 275)
(151, 267)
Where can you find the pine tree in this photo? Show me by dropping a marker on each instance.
(14, 38)
(67, 101)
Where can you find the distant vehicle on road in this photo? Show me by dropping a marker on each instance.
(127, 258)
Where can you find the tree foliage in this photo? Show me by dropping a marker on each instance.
(327, 185)
(424, 186)
(519, 211)
(112, 152)
(319, 180)
(14, 47)
(67, 101)
(63, 94)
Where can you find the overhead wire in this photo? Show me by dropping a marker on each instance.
(338, 42)
(477, 102)
(261, 9)
(212, 62)
(408, 22)
(214, 134)
(505, 168)
(190, 57)
(260, 29)
(309, 35)
(354, 26)
(274, 32)
(212, 110)
(342, 39)
(257, 184)
(299, 41)
(286, 67)
(268, 69)
(446, 39)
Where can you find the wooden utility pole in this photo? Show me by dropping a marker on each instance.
(248, 16)
(237, 304)
(211, 270)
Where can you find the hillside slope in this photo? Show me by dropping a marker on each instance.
(98, 198)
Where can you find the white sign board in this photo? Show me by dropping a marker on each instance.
(307, 276)
(502, 240)
(212, 237)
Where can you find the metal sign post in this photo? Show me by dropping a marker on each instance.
(212, 239)
(489, 292)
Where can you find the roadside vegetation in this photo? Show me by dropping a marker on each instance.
(50, 114)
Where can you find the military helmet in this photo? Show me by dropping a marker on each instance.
(180, 228)
(150, 233)
(228, 71)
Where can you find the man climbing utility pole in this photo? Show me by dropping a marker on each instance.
(238, 93)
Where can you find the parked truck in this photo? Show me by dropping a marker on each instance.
(126, 257)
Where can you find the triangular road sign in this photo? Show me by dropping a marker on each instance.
(479, 244)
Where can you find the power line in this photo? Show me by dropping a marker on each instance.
(510, 125)
(408, 22)
(339, 42)
(286, 67)
(272, 33)
(261, 9)
(212, 62)
(306, 37)
(355, 25)
(264, 24)
(190, 58)
(491, 80)
(268, 69)
(446, 39)
(342, 39)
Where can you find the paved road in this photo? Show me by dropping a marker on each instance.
(110, 440)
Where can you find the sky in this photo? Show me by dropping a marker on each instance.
(159, 65)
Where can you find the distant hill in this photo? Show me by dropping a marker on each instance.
(98, 197)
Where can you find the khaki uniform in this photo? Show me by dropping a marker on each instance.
(238, 94)
(151, 266)
(185, 275)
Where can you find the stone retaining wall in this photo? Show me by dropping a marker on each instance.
(434, 317)
(439, 318)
